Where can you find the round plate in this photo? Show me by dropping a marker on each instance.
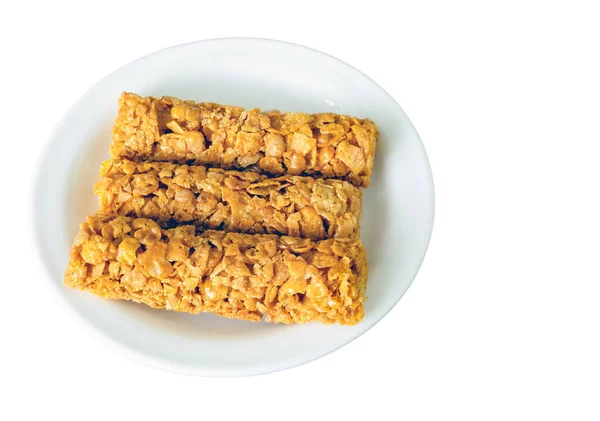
(396, 224)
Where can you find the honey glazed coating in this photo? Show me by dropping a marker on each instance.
(283, 279)
(234, 201)
(169, 129)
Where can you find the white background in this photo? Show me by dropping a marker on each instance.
(503, 320)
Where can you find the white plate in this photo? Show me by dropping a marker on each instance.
(397, 217)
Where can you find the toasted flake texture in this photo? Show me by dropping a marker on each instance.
(169, 129)
(285, 279)
(234, 201)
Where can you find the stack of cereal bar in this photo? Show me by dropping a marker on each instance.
(241, 213)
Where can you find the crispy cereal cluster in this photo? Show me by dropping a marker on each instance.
(287, 279)
(169, 129)
(230, 200)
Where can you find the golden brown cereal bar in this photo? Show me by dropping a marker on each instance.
(286, 279)
(230, 200)
(169, 129)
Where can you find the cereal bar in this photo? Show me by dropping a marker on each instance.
(169, 129)
(230, 200)
(285, 279)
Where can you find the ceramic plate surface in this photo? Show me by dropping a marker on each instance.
(396, 225)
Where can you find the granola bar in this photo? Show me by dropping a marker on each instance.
(285, 279)
(169, 129)
(230, 200)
